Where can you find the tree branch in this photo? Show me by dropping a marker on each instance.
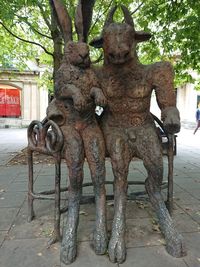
(24, 19)
(44, 16)
(26, 41)
(134, 11)
(97, 19)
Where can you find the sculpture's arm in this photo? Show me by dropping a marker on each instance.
(163, 83)
(64, 89)
(98, 96)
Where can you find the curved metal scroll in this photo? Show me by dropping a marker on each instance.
(45, 137)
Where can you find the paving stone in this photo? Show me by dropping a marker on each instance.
(23, 176)
(193, 211)
(142, 233)
(192, 241)
(2, 236)
(177, 188)
(41, 207)
(195, 192)
(29, 252)
(178, 175)
(43, 180)
(86, 231)
(40, 188)
(12, 199)
(144, 245)
(194, 175)
(18, 187)
(7, 216)
(139, 209)
(151, 257)
(188, 183)
(135, 175)
(184, 223)
(4, 186)
(87, 258)
(184, 198)
(9, 171)
(6, 177)
(40, 227)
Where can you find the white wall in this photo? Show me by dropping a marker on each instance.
(187, 102)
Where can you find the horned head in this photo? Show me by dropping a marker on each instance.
(119, 40)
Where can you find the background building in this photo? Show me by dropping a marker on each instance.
(21, 99)
(186, 98)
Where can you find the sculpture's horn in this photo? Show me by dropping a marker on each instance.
(109, 18)
(127, 16)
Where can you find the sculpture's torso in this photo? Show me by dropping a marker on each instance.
(84, 79)
(128, 92)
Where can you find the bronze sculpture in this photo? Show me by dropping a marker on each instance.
(128, 126)
(77, 93)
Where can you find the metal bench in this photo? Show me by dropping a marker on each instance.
(46, 137)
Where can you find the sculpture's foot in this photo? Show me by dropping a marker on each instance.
(54, 239)
(68, 250)
(100, 242)
(30, 217)
(117, 249)
(68, 254)
(175, 246)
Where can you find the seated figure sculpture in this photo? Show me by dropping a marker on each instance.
(77, 93)
(128, 126)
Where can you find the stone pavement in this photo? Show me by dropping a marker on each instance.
(24, 244)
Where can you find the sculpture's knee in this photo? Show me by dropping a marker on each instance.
(95, 150)
(120, 158)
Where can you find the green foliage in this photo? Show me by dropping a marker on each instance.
(174, 25)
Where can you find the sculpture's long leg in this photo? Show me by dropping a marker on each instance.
(150, 152)
(95, 154)
(56, 233)
(120, 159)
(74, 156)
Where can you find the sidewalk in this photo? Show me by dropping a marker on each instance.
(24, 244)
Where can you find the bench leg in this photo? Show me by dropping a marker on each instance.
(31, 213)
(170, 155)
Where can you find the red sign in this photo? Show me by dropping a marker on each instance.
(10, 103)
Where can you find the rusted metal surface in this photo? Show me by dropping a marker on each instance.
(125, 130)
(77, 92)
(128, 126)
(45, 137)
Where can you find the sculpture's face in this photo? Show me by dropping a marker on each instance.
(78, 54)
(118, 43)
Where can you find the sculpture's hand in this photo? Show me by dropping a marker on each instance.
(79, 102)
(171, 120)
(98, 96)
(171, 126)
(100, 100)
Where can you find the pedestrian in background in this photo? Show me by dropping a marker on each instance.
(197, 118)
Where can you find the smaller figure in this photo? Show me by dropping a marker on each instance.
(197, 118)
(77, 94)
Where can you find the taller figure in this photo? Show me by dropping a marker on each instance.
(128, 126)
(77, 93)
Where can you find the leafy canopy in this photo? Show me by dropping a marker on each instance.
(28, 31)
